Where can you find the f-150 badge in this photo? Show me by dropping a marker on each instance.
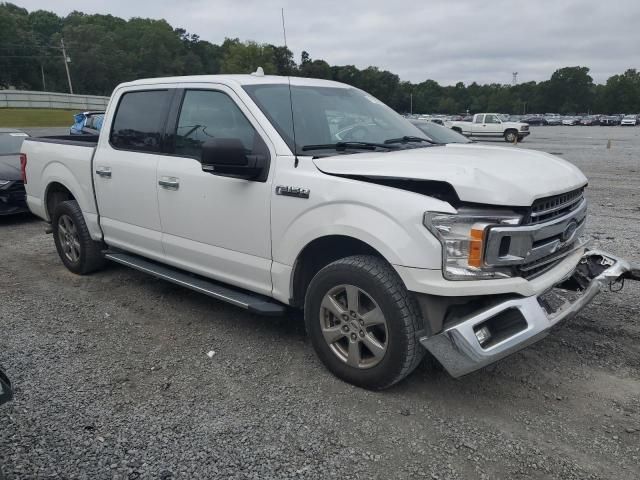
(293, 191)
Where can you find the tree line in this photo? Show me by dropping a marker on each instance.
(105, 50)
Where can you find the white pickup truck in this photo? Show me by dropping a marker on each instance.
(314, 195)
(487, 125)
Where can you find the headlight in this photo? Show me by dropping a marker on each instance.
(463, 237)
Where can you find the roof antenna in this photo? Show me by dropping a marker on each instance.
(293, 125)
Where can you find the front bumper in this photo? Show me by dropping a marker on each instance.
(458, 349)
(13, 199)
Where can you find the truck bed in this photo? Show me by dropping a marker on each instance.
(64, 161)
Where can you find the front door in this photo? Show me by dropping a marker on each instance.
(493, 125)
(212, 225)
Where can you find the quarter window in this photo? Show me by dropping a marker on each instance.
(209, 114)
(479, 119)
(139, 121)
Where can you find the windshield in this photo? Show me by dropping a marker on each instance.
(439, 133)
(329, 115)
(11, 142)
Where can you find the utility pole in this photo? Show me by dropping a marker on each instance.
(44, 85)
(411, 102)
(515, 78)
(66, 65)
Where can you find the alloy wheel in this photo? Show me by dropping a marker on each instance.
(354, 326)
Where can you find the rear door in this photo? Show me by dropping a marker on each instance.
(125, 167)
(212, 225)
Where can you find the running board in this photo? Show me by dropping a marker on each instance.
(252, 302)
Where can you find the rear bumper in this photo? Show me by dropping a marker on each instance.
(458, 349)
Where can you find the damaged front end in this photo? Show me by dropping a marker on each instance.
(496, 331)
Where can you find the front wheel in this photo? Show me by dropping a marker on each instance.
(363, 322)
(76, 249)
(510, 136)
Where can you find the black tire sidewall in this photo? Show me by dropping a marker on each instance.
(390, 367)
(510, 136)
(71, 209)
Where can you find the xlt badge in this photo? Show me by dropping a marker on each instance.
(288, 191)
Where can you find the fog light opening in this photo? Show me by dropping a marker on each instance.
(483, 334)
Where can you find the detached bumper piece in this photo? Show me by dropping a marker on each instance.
(493, 333)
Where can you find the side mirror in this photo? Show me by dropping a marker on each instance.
(227, 157)
(6, 392)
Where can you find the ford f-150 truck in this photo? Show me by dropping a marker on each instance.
(273, 194)
(487, 125)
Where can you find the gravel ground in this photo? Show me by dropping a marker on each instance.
(113, 379)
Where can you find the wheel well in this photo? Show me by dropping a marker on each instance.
(320, 253)
(508, 130)
(56, 194)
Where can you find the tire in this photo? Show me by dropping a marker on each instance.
(79, 253)
(510, 136)
(341, 338)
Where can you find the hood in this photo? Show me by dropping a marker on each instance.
(10, 167)
(479, 174)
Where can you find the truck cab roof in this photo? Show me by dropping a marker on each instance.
(247, 79)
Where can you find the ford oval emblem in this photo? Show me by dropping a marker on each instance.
(569, 231)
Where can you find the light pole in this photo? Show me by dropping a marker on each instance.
(67, 60)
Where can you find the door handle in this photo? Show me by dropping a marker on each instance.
(170, 183)
(104, 172)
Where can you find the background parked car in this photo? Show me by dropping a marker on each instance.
(439, 134)
(87, 123)
(609, 120)
(590, 120)
(535, 120)
(571, 121)
(12, 193)
(553, 119)
(629, 120)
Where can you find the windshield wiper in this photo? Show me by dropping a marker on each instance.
(345, 145)
(408, 139)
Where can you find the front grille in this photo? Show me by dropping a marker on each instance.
(546, 209)
(550, 231)
(533, 269)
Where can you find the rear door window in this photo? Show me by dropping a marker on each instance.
(139, 121)
(479, 119)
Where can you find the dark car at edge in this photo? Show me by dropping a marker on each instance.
(12, 192)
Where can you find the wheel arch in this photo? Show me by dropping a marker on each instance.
(56, 193)
(319, 253)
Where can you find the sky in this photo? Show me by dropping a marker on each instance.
(444, 40)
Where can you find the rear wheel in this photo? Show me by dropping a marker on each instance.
(76, 249)
(362, 322)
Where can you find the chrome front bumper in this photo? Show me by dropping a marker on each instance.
(458, 349)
